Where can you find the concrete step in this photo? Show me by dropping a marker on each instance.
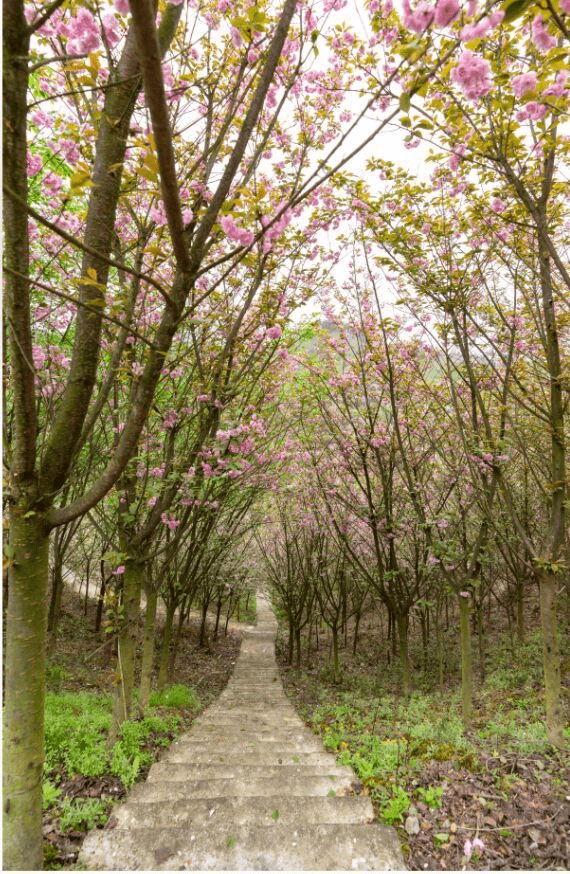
(227, 847)
(175, 772)
(287, 786)
(241, 735)
(249, 787)
(200, 812)
(269, 754)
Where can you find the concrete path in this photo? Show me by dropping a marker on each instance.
(249, 787)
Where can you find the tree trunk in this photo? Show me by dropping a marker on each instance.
(520, 611)
(165, 649)
(219, 606)
(298, 645)
(23, 739)
(481, 642)
(335, 655)
(203, 640)
(101, 599)
(87, 581)
(355, 633)
(55, 602)
(127, 647)
(466, 661)
(402, 622)
(551, 659)
(148, 646)
(182, 616)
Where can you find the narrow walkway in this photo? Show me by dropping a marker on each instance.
(249, 787)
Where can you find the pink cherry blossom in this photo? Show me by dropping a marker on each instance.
(446, 11)
(481, 28)
(473, 75)
(238, 235)
(274, 332)
(533, 110)
(112, 30)
(34, 164)
(497, 205)
(523, 83)
(540, 37)
(476, 844)
(237, 38)
(120, 570)
(170, 522)
(418, 19)
(84, 34)
(559, 86)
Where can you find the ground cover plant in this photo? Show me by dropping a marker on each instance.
(83, 776)
(496, 797)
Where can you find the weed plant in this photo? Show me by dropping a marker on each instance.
(76, 732)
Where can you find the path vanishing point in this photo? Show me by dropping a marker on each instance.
(249, 787)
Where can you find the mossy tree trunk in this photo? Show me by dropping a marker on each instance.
(23, 734)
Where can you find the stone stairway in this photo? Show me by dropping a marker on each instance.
(249, 787)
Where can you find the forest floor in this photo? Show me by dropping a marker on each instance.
(501, 788)
(495, 799)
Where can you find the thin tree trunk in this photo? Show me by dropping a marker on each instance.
(165, 649)
(23, 734)
(466, 661)
(335, 655)
(101, 598)
(148, 645)
(204, 611)
(481, 643)
(551, 659)
(182, 616)
(357, 619)
(127, 641)
(218, 613)
(87, 581)
(402, 622)
(55, 602)
(520, 611)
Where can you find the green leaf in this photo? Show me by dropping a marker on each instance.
(148, 174)
(405, 102)
(230, 842)
(514, 8)
(275, 815)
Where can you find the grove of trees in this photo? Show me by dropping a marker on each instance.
(178, 179)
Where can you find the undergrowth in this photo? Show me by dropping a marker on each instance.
(76, 731)
(390, 740)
